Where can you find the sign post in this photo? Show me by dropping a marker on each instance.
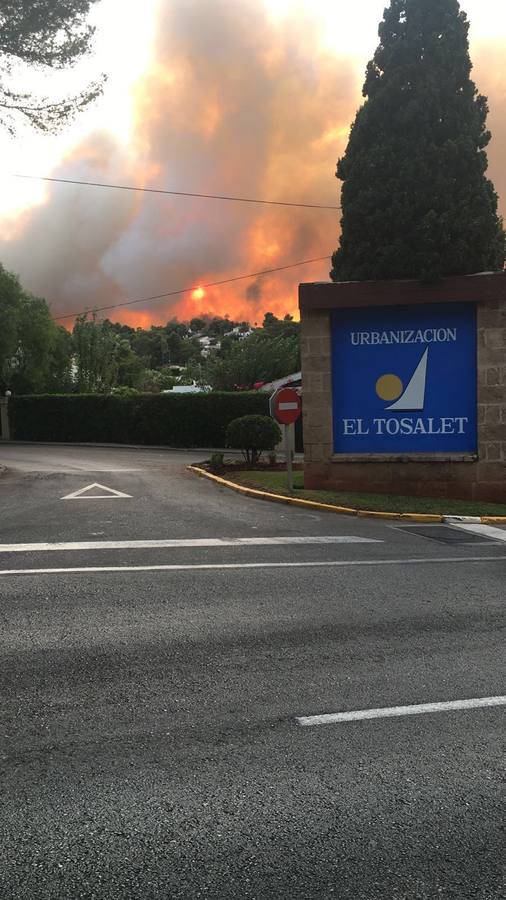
(288, 455)
(285, 406)
(4, 417)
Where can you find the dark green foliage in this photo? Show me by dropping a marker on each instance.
(59, 377)
(252, 434)
(284, 328)
(34, 352)
(45, 35)
(216, 461)
(11, 295)
(168, 345)
(37, 356)
(174, 420)
(416, 202)
(96, 347)
(269, 353)
(251, 361)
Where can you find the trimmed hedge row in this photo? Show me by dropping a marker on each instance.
(174, 420)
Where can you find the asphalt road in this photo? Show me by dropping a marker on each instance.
(150, 697)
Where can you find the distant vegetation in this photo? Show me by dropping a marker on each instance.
(100, 356)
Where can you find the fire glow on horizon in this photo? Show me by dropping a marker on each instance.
(253, 98)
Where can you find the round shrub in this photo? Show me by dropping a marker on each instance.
(252, 435)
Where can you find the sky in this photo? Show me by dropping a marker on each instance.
(251, 98)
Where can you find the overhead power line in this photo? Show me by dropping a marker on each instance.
(126, 187)
(187, 290)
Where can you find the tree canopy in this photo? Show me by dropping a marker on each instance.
(35, 353)
(44, 35)
(270, 352)
(416, 202)
(100, 356)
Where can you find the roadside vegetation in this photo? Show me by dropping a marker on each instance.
(39, 356)
(275, 481)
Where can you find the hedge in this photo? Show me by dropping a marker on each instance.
(174, 420)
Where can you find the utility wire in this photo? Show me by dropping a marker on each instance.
(126, 187)
(303, 262)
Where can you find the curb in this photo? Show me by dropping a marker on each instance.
(298, 457)
(265, 495)
(344, 510)
(113, 446)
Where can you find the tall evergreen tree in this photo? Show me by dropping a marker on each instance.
(42, 36)
(416, 202)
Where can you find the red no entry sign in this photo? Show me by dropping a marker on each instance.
(285, 406)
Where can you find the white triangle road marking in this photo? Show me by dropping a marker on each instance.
(82, 494)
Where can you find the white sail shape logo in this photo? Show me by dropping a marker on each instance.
(413, 397)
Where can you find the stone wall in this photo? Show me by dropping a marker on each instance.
(481, 476)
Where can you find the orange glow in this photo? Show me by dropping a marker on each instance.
(252, 106)
(232, 301)
(134, 318)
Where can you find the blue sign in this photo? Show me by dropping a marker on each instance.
(404, 379)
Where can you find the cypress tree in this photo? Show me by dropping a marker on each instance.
(416, 202)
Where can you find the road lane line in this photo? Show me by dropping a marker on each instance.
(42, 547)
(496, 534)
(387, 712)
(176, 567)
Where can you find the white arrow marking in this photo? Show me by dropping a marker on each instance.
(82, 494)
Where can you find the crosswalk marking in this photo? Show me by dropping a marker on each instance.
(488, 531)
(45, 547)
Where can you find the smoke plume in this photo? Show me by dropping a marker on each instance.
(232, 103)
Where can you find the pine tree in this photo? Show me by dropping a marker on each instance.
(416, 202)
(41, 37)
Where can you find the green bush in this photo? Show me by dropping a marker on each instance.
(252, 434)
(173, 420)
(216, 461)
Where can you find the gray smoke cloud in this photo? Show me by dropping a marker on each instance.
(231, 104)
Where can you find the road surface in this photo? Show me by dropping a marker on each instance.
(160, 651)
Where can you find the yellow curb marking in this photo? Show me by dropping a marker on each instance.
(342, 510)
(422, 517)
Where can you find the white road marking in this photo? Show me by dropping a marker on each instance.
(185, 542)
(496, 534)
(358, 715)
(455, 520)
(82, 494)
(177, 567)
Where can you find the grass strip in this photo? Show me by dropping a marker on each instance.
(275, 481)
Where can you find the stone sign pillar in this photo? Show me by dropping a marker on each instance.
(404, 386)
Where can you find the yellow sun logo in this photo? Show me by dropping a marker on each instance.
(389, 387)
